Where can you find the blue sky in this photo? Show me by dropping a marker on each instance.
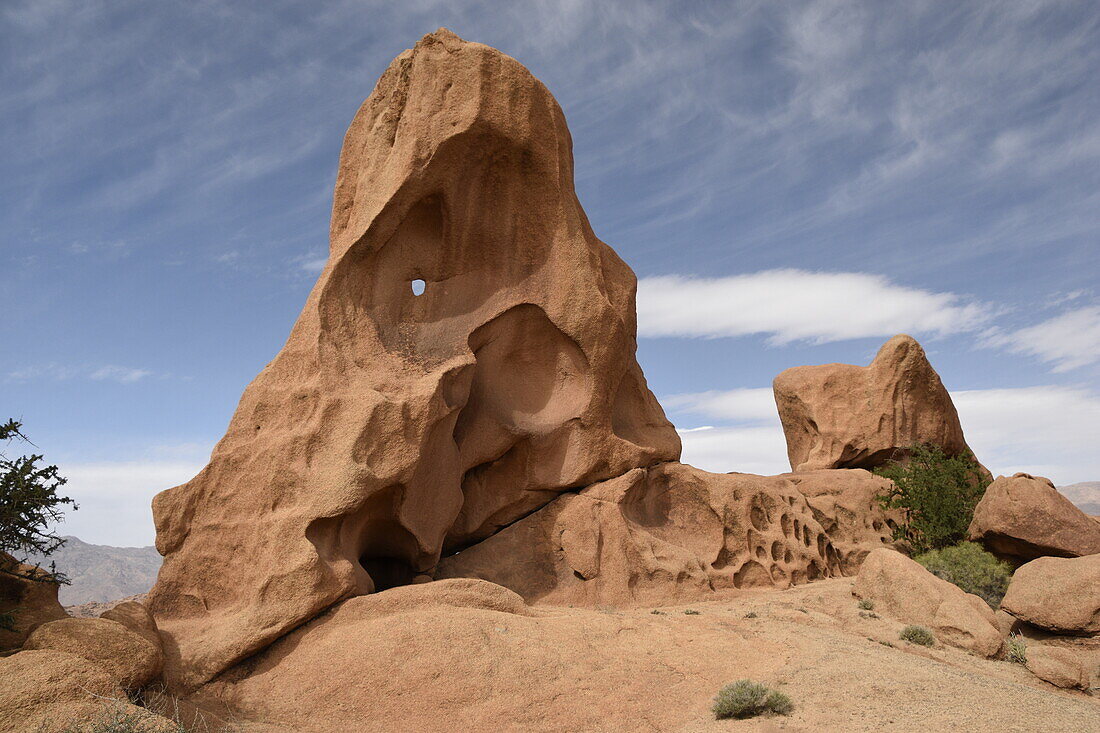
(792, 182)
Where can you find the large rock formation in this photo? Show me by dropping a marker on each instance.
(1024, 517)
(657, 535)
(845, 503)
(132, 659)
(902, 589)
(1057, 594)
(394, 426)
(30, 602)
(844, 416)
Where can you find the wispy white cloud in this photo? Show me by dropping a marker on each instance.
(62, 372)
(797, 305)
(1067, 341)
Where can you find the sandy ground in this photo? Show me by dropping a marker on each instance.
(620, 670)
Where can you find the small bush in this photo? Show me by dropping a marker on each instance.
(746, 699)
(691, 612)
(655, 612)
(917, 635)
(971, 568)
(936, 494)
(751, 614)
(866, 604)
(1016, 649)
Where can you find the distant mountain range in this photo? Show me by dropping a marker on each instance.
(1085, 495)
(101, 573)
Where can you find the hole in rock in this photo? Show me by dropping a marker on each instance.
(387, 572)
(418, 286)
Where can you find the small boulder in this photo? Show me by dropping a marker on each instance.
(902, 589)
(846, 416)
(137, 618)
(127, 656)
(1023, 517)
(48, 690)
(30, 602)
(1057, 594)
(1059, 666)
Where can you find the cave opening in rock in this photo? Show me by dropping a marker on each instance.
(387, 572)
(418, 286)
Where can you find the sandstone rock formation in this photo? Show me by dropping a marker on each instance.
(393, 427)
(902, 589)
(1057, 594)
(1059, 666)
(137, 618)
(131, 659)
(58, 691)
(1024, 517)
(844, 416)
(655, 535)
(845, 504)
(30, 602)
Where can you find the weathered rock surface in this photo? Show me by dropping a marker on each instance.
(137, 618)
(51, 690)
(1059, 666)
(660, 534)
(128, 657)
(486, 664)
(1024, 517)
(1058, 594)
(902, 589)
(845, 416)
(845, 504)
(394, 426)
(31, 603)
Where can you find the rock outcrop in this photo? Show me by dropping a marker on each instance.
(902, 589)
(1059, 666)
(31, 603)
(395, 426)
(845, 416)
(845, 503)
(1024, 517)
(59, 691)
(130, 658)
(1058, 594)
(656, 535)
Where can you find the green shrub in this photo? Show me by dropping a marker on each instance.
(866, 604)
(936, 494)
(746, 699)
(691, 612)
(971, 568)
(917, 635)
(1016, 649)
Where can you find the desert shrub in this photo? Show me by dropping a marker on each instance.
(691, 612)
(746, 699)
(751, 614)
(866, 604)
(115, 719)
(917, 635)
(936, 495)
(1016, 649)
(971, 568)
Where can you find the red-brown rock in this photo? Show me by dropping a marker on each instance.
(845, 416)
(657, 535)
(845, 503)
(30, 602)
(1024, 517)
(393, 427)
(1057, 594)
(128, 656)
(902, 589)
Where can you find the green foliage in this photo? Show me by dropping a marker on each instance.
(1016, 649)
(691, 612)
(917, 635)
(746, 699)
(751, 614)
(936, 494)
(971, 568)
(866, 604)
(28, 503)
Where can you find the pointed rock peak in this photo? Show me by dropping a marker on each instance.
(466, 356)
